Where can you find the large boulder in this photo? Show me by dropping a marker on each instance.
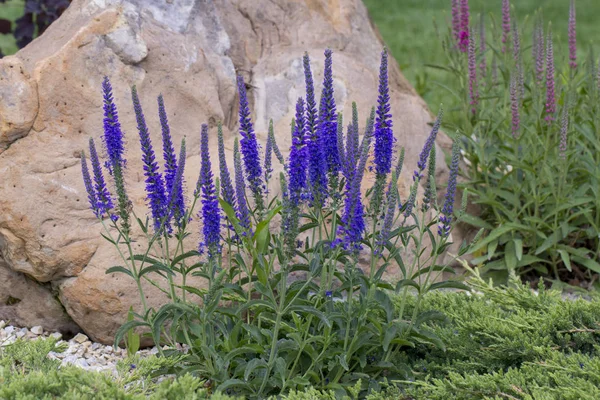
(190, 51)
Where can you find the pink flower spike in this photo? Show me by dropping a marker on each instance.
(456, 27)
(505, 24)
(572, 37)
(550, 94)
(473, 87)
(464, 26)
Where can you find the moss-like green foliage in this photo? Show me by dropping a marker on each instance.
(506, 343)
(509, 343)
(26, 373)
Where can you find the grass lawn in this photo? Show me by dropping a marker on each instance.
(11, 10)
(408, 29)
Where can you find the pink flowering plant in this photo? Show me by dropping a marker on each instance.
(531, 141)
(286, 303)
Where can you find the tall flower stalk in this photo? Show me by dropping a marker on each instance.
(298, 157)
(316, 168)
(178, 210)
(113, 135)
(328, 119)
(514, 101)
(227, 190)
(384, 136)
(473, 87)
(155, 186)
(550, 93)
(465, 34)
(505, 24)
(249, 148)
(448, 208)
(572, 36)
(211, 214)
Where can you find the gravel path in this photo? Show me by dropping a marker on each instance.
(80, 352)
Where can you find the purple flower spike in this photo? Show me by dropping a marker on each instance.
(113, 136)
(456, 21)
(249, 147)
(242, 211)
(464, 26)
(447, 210)
(353, 217)
(298, 159)
(482, 47)
(473, 87)
(429, 143)
(328, 119)
(178, 211)
(155, 187)
(550, 94)
(178, 206)
(316, 171)
(505, 24)
(268, 167)
(514, 101)
(572, 36)
(104, 201)
(564, 126)
(538, 56)
(211, 215)
(227, 190)
(384, 136)
(89, 188)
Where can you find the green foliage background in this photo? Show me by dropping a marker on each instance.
(407, 26)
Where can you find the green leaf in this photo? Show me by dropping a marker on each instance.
(587, 262)
(254, 364)
(126, 327)
(181, 257)
(518, 248)
(156, 268)
(510, 256)
(123, 270)
(448, 285)
(564, 255)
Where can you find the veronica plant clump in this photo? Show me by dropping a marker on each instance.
(532, 145)
(285, 299)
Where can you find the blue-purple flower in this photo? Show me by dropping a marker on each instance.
(328, 119)
(177, 208)
(448, 208)
(249, 147)
(316, 169)
(89, 188)
(353, 216)
(211, 215)
(429, 143)
(227, 190)
(104, 201)
(384, 136)
(298, 159)
(242, 211)
(155, 187)
(177, 188)
(113, 136)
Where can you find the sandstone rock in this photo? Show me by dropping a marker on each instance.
(190, 51)
(24, 302)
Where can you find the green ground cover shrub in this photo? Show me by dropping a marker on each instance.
(500, 342)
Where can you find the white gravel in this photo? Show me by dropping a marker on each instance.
(81, 351)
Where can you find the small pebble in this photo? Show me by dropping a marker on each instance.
(80, 338)
(38, 330)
